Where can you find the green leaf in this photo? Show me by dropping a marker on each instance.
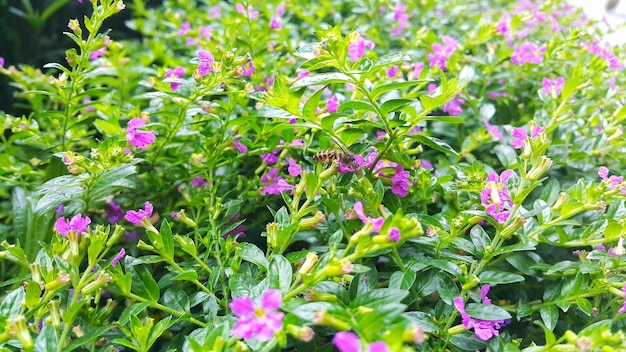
(280, 273)
(168, 240)
(33, 293)
(47, 339)
(175, 298)
(394, 105)
(108, 128)
(274, 112)
(479, 238)
(382, 89)
(444, 119)
(251, 253)
(584, 305)
(402, 281)
(391, 59)
(12, 304)
(143, 283)
(499, 277)
(132, 310)
(351, 135)
(311, 105)
(379, 297)
(90, 335)
(321, 79)
(446, 288)
(436, 144)
(550, 338)
(311, 185)
(355, 105)
(550, 316)
(487, 311)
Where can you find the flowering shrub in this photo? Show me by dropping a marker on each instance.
(340, 175)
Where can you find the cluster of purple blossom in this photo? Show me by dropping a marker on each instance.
(483, 329)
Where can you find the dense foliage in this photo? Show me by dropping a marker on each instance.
(352, 175)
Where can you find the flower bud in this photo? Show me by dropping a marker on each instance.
(17, 327)
(55, 314)
(74, 25)
(321, 317)
(272, 234)
(185, 219)
(186, 244)
(540, 168)
(101, 280)
(311, 222)
(62, 279)
(309, 262)
(302, 333)
(343, 267)
(562, 200)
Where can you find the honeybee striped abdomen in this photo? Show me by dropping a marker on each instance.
(330, 155)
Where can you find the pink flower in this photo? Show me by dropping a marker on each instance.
(114, 212)
(483, 329)
(550, 85)
(613, 180)
(136, 138)
(528, 52)
(78, 224)
(177, 72)
(417, 70)
(502, 27)
(441, 53)
(214, 12)
(274, 184)
(253, 15)
(205, 32)
(496, 198)
(356, 48)
(97, 53)
(331, 104)
(206, 62)
(258, 322)
(1, 61)
(137, 217)
(400, 182)
(347, 341)
(494, 130)
(294, 169)
(118, 257)
(376, 223)
(402, 19)
(520, 136)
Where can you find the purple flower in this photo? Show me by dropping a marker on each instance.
(248, 68)
(240, 146)
(275, 23)
(136, 138)
(269, 158)
(417, 70)
(494, 130)
(391, 72)
(294, 169)
(214, 12)
(453, 107)
(612, 180)
(528, 52)
(118, 257)
(259, 322)
(441, 53)
(177, 72)
(59, 209)
(331, 104)
(114, 212)
(496, 198)
(356, 48)
(198, 182)
(274, 184)
(400, 182)
(502, 27)
(78, 224)
(206, 62)
(483, 329)
(1, 61)
(550, 85)
(184, 28)
(376, 223)
(205, 32)
(623, 309)
(136, 217)
(394, 234)
(520, 136)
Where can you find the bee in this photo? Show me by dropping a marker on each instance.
(344, 157)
